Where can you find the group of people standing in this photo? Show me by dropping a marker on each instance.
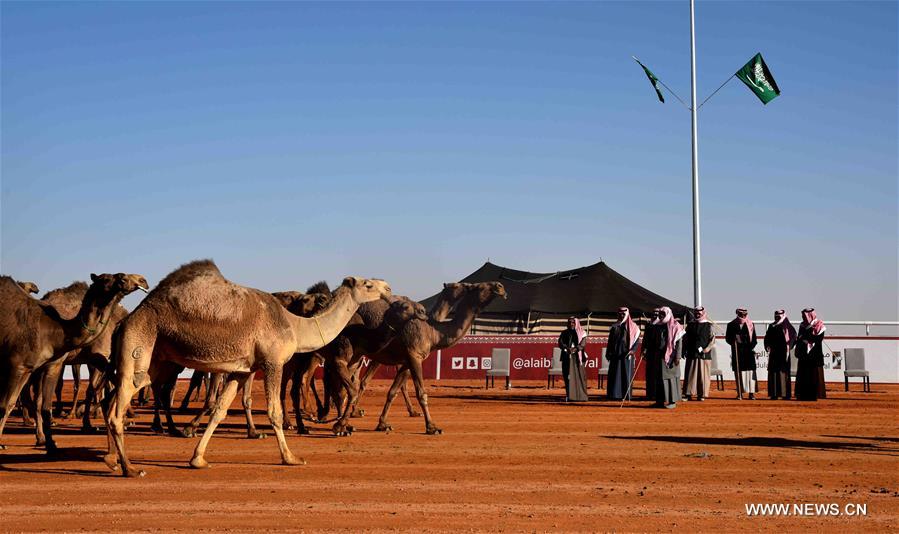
(667, 343)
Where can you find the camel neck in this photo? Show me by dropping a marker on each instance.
(449, 333)
(317, 331)
(93, 317)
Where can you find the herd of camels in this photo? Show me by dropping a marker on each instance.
(195, 318)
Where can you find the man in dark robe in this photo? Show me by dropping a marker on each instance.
(572, 342)
(780, 337)
(652, 339)
(666, 360)
(698, 343)
(810, 355)
(741, 337)
(623, 338)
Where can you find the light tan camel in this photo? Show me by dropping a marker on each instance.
(412, 346)
(32, 335)
(29, 287)
(295, 302)
(196, 318)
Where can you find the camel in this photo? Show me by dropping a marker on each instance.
(95, 355)
(29, 287)
(412, 346)
(196, 318)
(33, 335)
(374, 329)
(297, 303)
(449, 296)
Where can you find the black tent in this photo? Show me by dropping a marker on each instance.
(541, 302)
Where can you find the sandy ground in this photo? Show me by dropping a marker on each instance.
(514, 460)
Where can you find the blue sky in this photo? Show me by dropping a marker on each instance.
(293, 142)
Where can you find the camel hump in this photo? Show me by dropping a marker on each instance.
(189, 271)
(198, 291)
(66, 300)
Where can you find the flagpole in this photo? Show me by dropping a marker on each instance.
(697, 272)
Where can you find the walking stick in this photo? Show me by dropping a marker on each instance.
(627, 394)
(737, 373)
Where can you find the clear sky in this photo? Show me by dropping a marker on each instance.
(292, 142)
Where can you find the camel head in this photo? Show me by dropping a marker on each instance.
(119, 284)
(453, 291)
(402, 310)
(367, 290)
(487, 291)
(302, 304)
(29, 287)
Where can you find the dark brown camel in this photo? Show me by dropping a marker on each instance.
(33, 335)
(413, 345)
(450, 295)
(196, 318)
(95, 355)
(418, 339)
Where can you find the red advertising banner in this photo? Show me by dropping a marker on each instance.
(531, 358)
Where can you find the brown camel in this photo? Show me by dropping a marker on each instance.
(95, 355)
(196, 318)
(416, 341)
(451, 294)
(29, 287)
(32, 335)
(374, 328)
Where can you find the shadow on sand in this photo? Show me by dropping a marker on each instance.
(766, 441)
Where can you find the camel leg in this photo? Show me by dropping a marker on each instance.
(248, 407)
(276, 414)
(318, 400)
(164, 381)
(196, 382)
(51, 375)
(94, 386)
(418, 379)
(76, 388)
(298, 388)
(288, 374)
(346, 377)
(26, 399)
(218, 413)
(212, 395)
(15, 381)
(398, 381)
(134, 370)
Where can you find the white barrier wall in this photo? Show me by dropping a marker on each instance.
(881, 358)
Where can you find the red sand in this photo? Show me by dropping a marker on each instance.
(508, 460)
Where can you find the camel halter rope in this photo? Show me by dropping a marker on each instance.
(321, 335)
(92, 331)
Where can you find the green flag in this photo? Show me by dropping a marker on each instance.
(652, 79)
(758, 78)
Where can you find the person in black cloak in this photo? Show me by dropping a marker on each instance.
(572, 341)
(623, 338)
(741, 337)
(780, 338)
(810, 355)
(698, 344)
(667, 353)
(650, 354)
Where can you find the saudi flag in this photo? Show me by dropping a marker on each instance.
(757, 77)
(652, 79)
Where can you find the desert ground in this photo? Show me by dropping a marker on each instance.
(516, 460)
